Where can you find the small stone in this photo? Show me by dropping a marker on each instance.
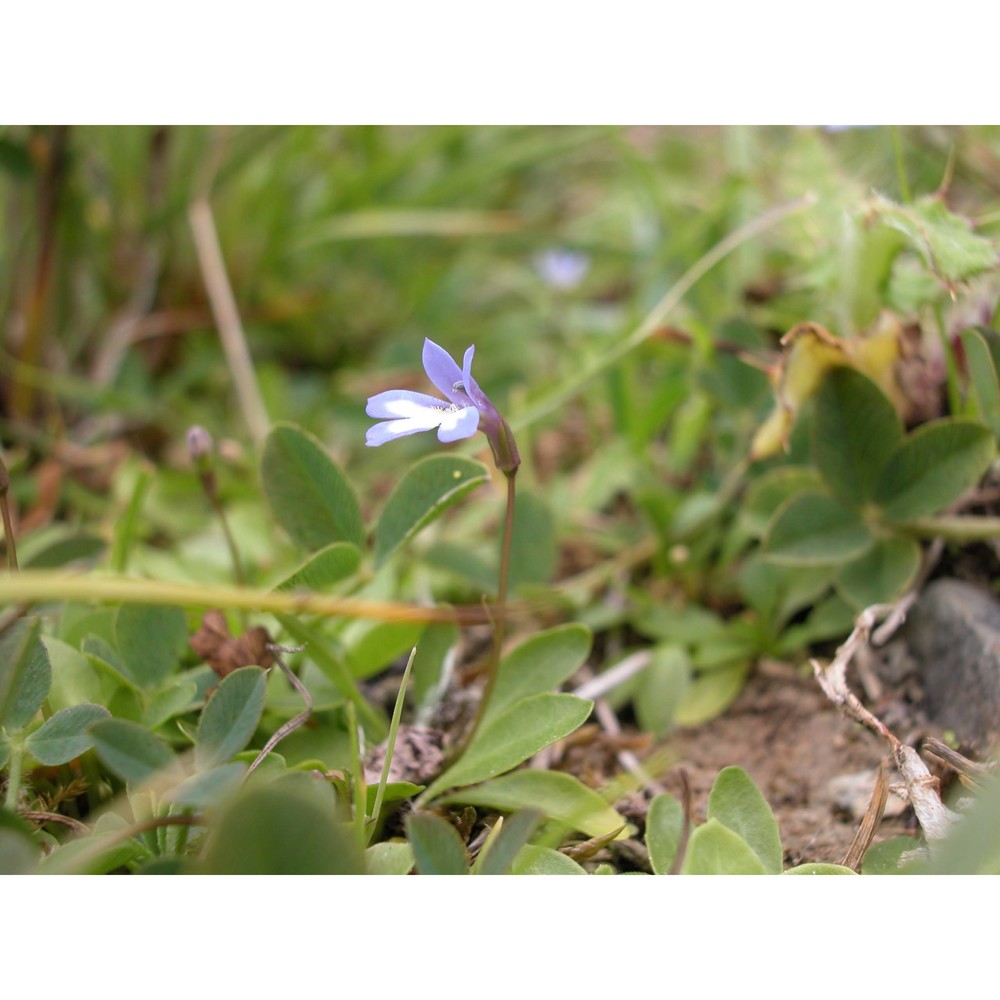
(954, 634)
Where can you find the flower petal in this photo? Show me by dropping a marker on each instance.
(402, 403)
(458, 424)
(471, 385)
(389, 430)
(443, 372)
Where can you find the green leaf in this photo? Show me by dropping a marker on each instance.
(736, 802)
(535, 860)
(661, 689)
(813, 529)
(332, 665)
(422, 495)
(150, 641)
(886, 857)
(946, 241)
(128, 750)
(74, 679)
(982, 351)
(389, 858)
(309, 495)
(515, 735)
(173, 698)
(541, 663)
(933, 467)
(820, 868)
(25, 674)
(710, 695)
(556, 794)
(533, 544)
(855, 429)
(373, 647)
(881, 574)
(437, 847)
(65, 550)
(323, 569)
(18, 848)
(97, 854)
(208, 789)
(664, 826)
(65, 735)
(230, 717)
(288, 827)
(501, 849)
(773, 488)
(431, 664)
(714, 849)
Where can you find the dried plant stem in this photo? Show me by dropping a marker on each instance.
(869, 823)
(921, 787)
(54, 156)
(43, 585)
(8, 524)
(292, 724)
(227, 317)
(39, 816)
(687, 804)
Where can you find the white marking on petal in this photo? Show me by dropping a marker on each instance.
(458, 424)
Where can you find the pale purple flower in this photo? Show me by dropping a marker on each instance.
(562, 269)
(465, 410)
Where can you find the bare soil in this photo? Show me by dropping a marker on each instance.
(797, 748)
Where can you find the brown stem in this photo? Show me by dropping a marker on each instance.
(52, 153)
(8, 525)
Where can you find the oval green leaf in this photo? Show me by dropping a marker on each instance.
(131, 752)
(814, 529)
(389, 858)
(437, 847)
(323, 569)
(150, 640)
(714, 849)
(855, 429)
(230, 717)
(288, 827)
(541, 663)
(881, 574)
(661, 689)
(982, 349)
(736, 802)
(710, 695)
(65, 735)
(502, 847)
(933, 467)
(533, 859)
(533, 550)
(664, 826)
(556, 794)
(422, 495)
(309, 495)
(25, 673)
(515, 735)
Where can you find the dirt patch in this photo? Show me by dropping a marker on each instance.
(800, 752)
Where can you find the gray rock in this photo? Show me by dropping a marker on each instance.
(953, 632)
